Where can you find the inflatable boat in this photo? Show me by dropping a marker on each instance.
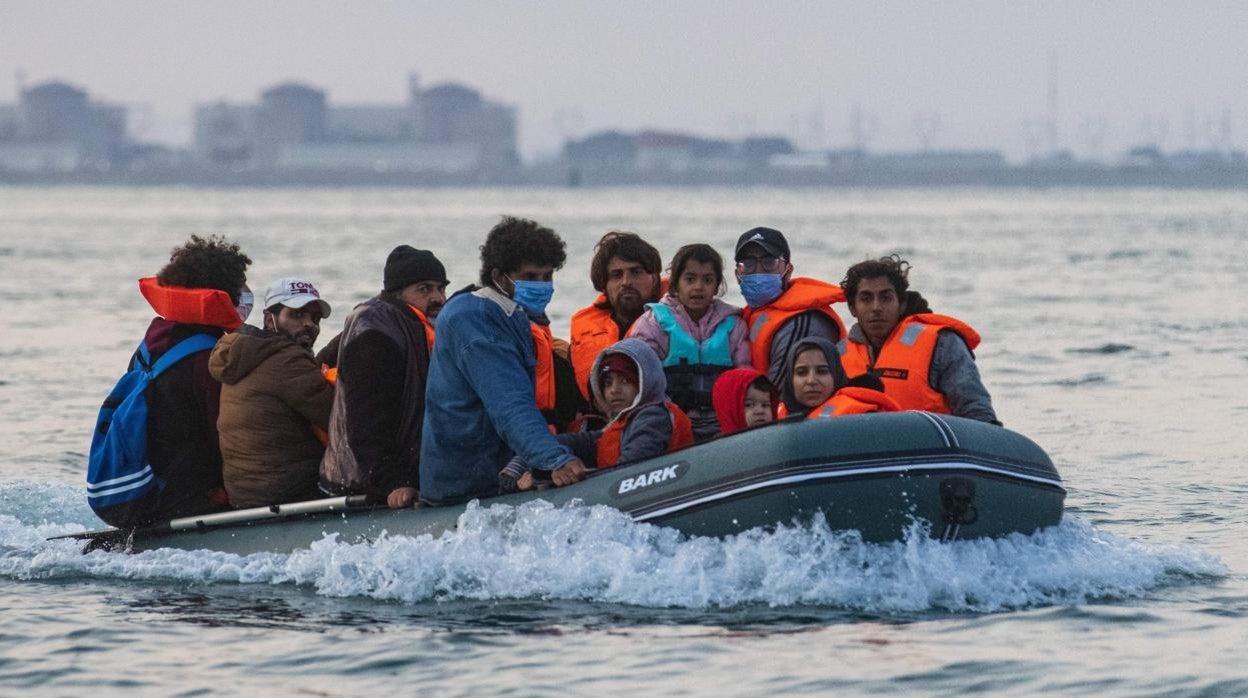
(874, 473)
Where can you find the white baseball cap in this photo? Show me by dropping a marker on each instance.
(294, 292)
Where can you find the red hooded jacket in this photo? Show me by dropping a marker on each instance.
(728, 398)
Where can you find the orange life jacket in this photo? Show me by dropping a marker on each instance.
(428, 326)
(544, 380)
(802, 295)
(609, 441)
(593, 329)
(905, 360)
(854, 400)
(197, 306)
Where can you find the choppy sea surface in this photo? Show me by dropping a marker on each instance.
(1114, 336)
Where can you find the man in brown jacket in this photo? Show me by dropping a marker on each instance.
(272, 395)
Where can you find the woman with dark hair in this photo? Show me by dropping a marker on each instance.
(696, 335)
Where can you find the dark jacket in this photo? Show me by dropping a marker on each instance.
(182, 427)
(272, 395)
(379, 404)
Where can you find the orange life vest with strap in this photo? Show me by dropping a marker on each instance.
(905, 361)
(593, 329)
(609, 441)
(196, 306)
(544, 380)
(854, 400)
(428, 326)
(802, 295)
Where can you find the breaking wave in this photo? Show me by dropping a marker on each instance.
(538, 551)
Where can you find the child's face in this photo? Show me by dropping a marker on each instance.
(696, 287)
(757, 407)
(618, 392)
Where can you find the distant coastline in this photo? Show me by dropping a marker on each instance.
(563, 175)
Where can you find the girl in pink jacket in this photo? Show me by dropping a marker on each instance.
(695, 334)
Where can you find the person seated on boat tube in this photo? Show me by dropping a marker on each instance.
(925, 360)
(744, 399)
(816, 374)
(199, 292)
(625, 272)
(696, 335)
(382, 367)
(481, 403)
(780, 309)
(628, 384)
(272, 396)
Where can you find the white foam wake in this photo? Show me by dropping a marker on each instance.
(598, 554)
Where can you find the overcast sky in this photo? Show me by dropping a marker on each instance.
(969, 74)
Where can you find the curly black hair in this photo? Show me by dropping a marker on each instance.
(628, 247)
(515, 242)
(896, 269)
(211, 262)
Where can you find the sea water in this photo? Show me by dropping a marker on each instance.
(1113, 336)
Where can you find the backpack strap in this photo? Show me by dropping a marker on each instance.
(181, 350)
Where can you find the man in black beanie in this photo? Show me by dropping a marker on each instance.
(382, 357)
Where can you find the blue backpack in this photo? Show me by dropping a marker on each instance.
(118, 472)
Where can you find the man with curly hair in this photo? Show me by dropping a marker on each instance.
(924, 359)
(481, 403)
(197, 293)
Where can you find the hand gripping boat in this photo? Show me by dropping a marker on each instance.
(875, 473)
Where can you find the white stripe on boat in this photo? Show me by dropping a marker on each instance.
(825, 475)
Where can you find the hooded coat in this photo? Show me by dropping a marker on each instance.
(649, 423)
(788, 395)
(272, 394)
(729, 398)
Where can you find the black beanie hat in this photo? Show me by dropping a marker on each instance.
(407, 265)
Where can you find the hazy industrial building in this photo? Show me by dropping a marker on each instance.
(55, 127)
(449, 128)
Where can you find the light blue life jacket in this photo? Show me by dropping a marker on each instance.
(692, 367)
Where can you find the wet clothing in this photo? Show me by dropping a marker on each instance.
(729, 398)
(379, 401)
(694, 354)
(926, 364)
(788, 396)
(803, 310)
(481, 406)
(272, 394)
(851, 400)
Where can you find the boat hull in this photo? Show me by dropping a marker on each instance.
(875, 474)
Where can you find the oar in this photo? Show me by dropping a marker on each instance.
(316, 506)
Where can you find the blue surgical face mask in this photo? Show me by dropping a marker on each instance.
(761, 289)
(245, 302)
(533, 296)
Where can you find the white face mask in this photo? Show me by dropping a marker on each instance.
(245, 303)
